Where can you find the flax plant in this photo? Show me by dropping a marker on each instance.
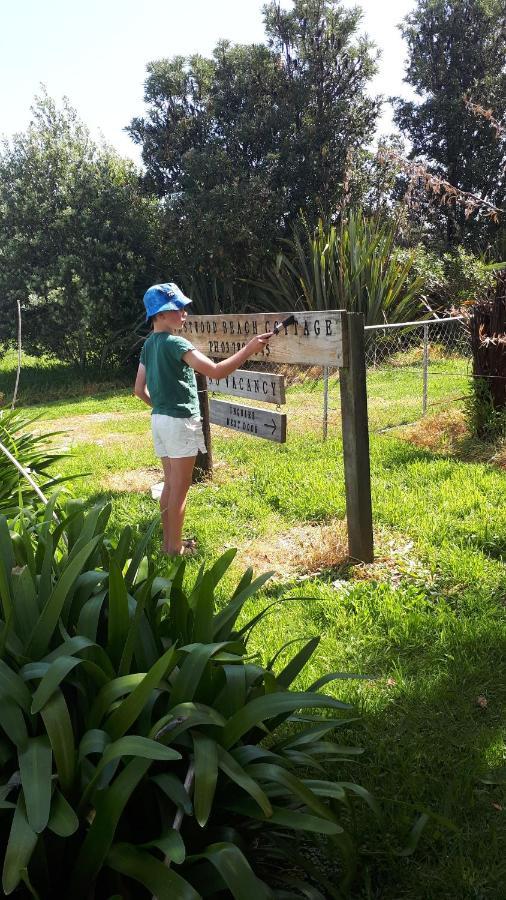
(352, 265)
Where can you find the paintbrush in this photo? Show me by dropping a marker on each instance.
(290, 320)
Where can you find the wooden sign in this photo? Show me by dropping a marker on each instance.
(316, 338)
(262, 386)
(249, 420)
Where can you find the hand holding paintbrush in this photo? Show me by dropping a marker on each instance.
(290, 320)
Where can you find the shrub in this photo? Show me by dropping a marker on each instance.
(143, 749)
(448, 279)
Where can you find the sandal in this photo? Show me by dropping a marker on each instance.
(188, 551)
(189, 544)
(188, 548)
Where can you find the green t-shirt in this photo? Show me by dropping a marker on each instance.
(171, 383)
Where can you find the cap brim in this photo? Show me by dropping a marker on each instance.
(169, 307)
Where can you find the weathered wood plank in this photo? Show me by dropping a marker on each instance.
(357, 474)
(203, 467)
(316, 338)
(263, 423)
(264, 386)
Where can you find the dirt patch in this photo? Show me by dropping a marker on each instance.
(304, 550)
(87, 429)
(395, 562)
(447, 433)
(137, 481)
(440, 433)
(73, 423)
(310, 550)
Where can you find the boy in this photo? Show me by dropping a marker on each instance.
(166, 382)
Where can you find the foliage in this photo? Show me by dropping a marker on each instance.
(77, 240)
(448, 279)
(141, 739)
(486, 421)
(353, 265)
(456, 53)
(328, 67)
(238, 143)
(486, 405)
(31, 450)
(212, 295)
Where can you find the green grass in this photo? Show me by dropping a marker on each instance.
(427, 624)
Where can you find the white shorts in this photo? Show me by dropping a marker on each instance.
(177, 438)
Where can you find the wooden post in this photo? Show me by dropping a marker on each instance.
(357, 474)
(204, 463)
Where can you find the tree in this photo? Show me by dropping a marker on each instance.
(456, 52)
(77, 240)
(327, 69)
(237, 144)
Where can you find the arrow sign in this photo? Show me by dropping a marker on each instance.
(249, 420)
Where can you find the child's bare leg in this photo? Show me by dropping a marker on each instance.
(180, 479)
(164, 500)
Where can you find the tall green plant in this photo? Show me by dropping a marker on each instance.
(32, 452)
(144, 749)
(353, 265)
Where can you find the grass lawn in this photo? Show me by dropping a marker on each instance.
(426, 621)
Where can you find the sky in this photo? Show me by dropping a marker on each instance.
(95, 52)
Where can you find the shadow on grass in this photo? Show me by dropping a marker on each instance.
(431, 732)
(52, 382)
(493, 546)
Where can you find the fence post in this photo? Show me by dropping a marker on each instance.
(357, 473)
(325, 401)
(425, 367)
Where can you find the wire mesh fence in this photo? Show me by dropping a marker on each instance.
(412, 343)
(413, 369)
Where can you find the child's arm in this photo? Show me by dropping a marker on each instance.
(206, 366)
(140, 389)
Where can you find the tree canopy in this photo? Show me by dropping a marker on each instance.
(77, 239)
(456, 53)
(237, 144)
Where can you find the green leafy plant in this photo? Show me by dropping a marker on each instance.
(353, 265)
(144, 749)
(32, 451)
(485, 420)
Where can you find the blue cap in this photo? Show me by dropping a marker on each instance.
(164, 298)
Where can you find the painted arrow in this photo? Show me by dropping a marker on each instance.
(252, 420)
